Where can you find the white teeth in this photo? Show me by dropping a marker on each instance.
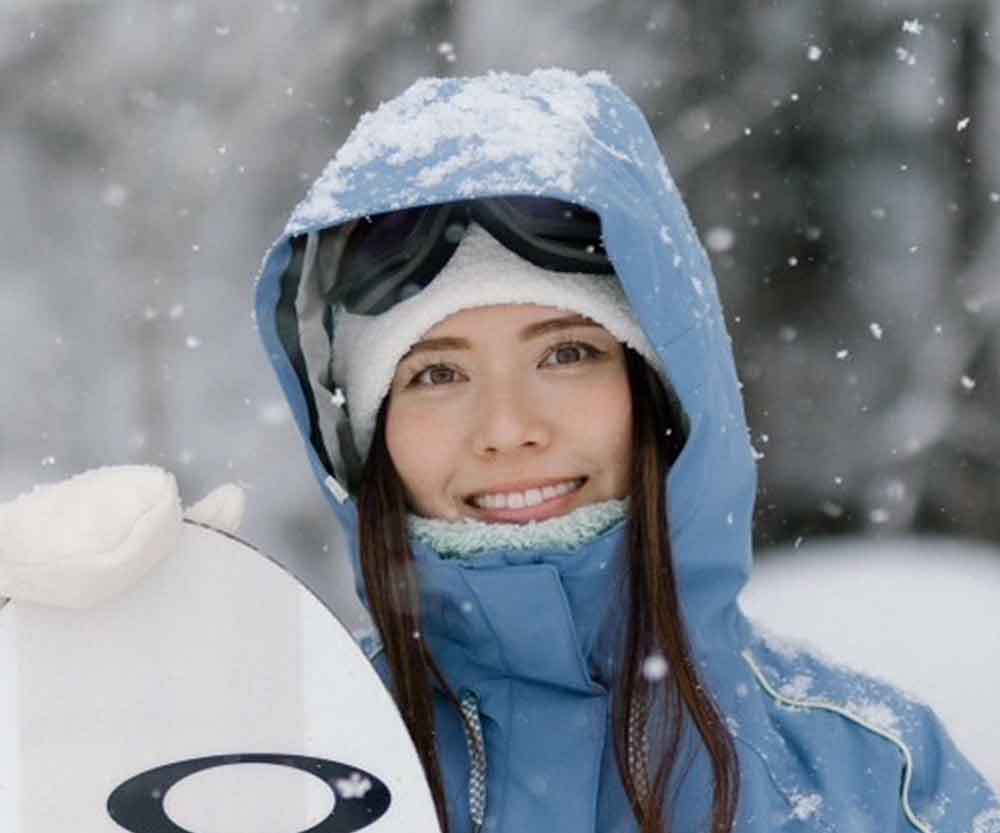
(531, 497)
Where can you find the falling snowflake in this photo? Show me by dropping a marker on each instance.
(720, 239)
(654, 667)
(831, 509)
(814, 53)
(447, 51)
(895, 490)
(114, 195)
(876, 330)
(913, 27)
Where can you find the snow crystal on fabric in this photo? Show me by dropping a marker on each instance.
(805, 806)
(545, 132)
(469, 537)
(877, 714)
(987, 822)
(797, 688)
(784, 647)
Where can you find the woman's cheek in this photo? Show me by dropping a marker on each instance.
(420, 438)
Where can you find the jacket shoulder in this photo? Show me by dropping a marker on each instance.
(939, 791)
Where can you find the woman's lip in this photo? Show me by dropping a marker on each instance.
(551, 508)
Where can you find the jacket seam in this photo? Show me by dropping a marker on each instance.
(489, 624)
(825, 705)
(782, 791)
(496, 820)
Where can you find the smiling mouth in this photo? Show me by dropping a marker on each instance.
(528, 498)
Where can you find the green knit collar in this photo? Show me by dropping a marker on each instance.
(468, 538)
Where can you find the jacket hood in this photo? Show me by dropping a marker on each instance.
(521, 633)
(556, 134)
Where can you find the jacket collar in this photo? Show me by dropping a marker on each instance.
(547, 617)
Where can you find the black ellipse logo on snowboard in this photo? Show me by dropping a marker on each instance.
(359, 797)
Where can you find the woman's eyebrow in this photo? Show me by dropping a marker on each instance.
(442, 343)
(529, 332)
(552, 324)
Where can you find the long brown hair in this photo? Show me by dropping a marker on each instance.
(654, 704)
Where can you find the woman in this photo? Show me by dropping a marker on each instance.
(502, 342)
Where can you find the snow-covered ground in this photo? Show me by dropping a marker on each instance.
(921, 613)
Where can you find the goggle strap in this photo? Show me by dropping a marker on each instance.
(506, 226)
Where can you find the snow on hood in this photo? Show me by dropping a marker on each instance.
(557, 134)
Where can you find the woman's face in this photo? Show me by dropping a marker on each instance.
(511, 413)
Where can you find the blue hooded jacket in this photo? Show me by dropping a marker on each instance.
(519, 634)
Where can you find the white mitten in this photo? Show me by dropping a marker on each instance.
(83, 540)
(222, 508)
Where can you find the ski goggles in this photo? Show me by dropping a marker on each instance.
(369, 265)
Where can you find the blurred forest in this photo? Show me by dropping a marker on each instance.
(840, 157)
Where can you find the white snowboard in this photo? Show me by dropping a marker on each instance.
(218, 695)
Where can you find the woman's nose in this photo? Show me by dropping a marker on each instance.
(508, 420)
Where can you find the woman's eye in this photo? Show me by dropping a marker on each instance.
(571, 353)
(436, 374)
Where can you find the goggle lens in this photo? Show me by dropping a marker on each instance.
(386, 258)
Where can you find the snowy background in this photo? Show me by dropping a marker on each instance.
(841, 158)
